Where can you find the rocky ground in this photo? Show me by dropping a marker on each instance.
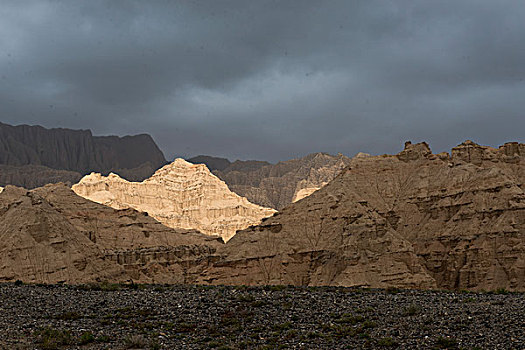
(107, 316)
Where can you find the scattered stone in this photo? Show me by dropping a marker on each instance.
(203, 317)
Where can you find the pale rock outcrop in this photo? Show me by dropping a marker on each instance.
(362, 155)
(180, 195)
(304, 192)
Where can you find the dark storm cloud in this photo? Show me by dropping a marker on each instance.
(268, 79)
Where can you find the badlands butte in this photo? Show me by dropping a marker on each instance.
(76, 208)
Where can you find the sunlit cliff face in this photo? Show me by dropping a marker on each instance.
(180, 195)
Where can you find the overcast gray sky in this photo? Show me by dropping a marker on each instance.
(268, 80)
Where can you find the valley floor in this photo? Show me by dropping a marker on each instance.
(199, 317)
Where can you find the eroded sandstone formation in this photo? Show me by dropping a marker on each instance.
(180, 195)
(414, 219)
(31, 156)
(278, 185)
(51, 235)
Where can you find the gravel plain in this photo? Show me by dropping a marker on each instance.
(107, 316)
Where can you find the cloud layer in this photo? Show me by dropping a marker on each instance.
(268, 79)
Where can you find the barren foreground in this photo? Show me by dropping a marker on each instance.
(195, 317)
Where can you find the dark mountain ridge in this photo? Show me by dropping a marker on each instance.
(213, 163)
(75, 151)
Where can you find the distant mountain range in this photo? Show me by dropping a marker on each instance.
(276, 185)
(32, 156)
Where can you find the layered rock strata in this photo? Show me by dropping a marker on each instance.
(414, 219)
(278, 185)
(51, 235)
(180, 195)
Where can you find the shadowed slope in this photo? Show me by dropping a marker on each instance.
(37, 244)
(51, 235)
